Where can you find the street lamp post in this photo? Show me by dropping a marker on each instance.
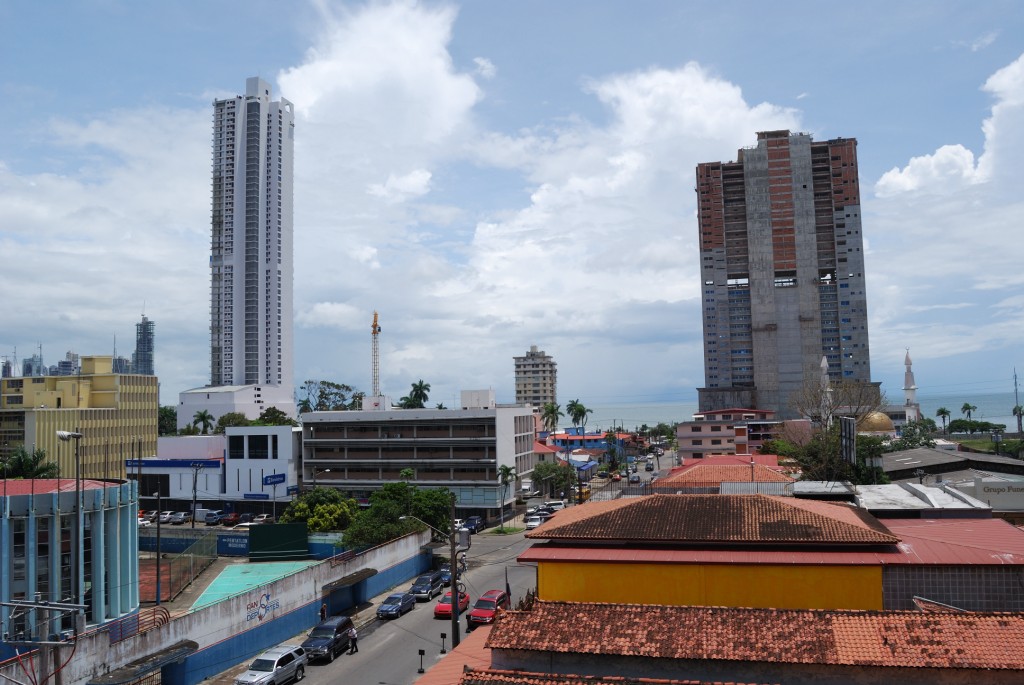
(317, 470)
(158, 507)
(453, 565)
(76, 582)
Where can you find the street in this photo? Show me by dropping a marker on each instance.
(389, 650)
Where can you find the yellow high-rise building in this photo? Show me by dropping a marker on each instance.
(116, 413)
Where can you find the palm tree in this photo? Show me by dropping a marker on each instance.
(578, 413)
(1018, 411)
(304, 406)
(549, 416)
(419, 393)
(203, 419)
(506, 474)
(967, 409)
(943, 414)
(25, 464)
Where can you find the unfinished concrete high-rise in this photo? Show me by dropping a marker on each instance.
(782, 272)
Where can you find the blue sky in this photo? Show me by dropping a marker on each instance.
(490, 176)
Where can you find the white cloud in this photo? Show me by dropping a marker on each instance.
(979, 43)
(949, 168)
(485, 67)
(401, 188)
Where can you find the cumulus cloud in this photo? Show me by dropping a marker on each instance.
(951, 167)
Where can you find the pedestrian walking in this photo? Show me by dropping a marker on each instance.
(353, 640)
(323, 612)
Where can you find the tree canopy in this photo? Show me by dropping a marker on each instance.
(167, 421)
(322, 509)
(417, 397)
(229, 420)
(25, 464)
(328, 396)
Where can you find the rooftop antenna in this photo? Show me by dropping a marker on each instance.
(374, 332)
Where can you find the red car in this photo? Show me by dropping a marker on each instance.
(443, 608)
(487, 607)
(232, 519)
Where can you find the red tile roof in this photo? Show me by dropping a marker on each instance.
(765, 459)
(723, 473)
(497, 677)
(898, 639)
(746, 519)
(41, 486)
(939, 542)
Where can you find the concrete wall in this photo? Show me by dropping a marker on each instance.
(733, 585)
(238, 628)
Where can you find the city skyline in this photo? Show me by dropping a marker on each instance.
(494, 177)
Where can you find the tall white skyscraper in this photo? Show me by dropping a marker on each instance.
(251, 265)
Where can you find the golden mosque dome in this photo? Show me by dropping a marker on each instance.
(876, 422)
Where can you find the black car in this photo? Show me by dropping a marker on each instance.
(649, 467)
(474, 523)
(328, 639)
(396, 605)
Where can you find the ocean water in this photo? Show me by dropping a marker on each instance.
(992, 407)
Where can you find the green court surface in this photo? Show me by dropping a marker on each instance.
(239, 578)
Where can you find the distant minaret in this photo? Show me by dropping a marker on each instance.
(910, 391)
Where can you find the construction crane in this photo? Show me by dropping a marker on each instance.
(375, 331)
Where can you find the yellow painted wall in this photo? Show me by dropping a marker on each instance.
(730, 585)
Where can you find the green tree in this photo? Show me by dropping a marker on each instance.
(1018, 411)
(967, 409)
(188, 429)
(327, 396)
(943, 414)
(506, 476)
(231, 419)
(304, 406)
(913, 434)
(204, 420)
(552, 477)
(611, 449)
(167, 421)
(322, 509)
(272, 416)
(25, 464)
(550, 413)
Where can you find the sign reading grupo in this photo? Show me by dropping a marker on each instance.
(258, 610)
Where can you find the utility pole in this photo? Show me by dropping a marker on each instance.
(453, 565)
(195, 478)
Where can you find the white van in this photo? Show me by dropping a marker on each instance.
(555, 505)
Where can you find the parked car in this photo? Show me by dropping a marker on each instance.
(144, 523)
(212, 519)
(275, 666)
(634, 478)
(245, 518)
(263, 518)
(244, 526)
(555, 505)
(446, 574)
(427, 586)
(165, 516)
(474, 523)
(180, 517)
(486, 608)
(395, 605)
(443, 608)
(616, 477)
(649, 466)
(231, 519)
(533, 521)
(540, 510)
(602, 474)
(329, 639)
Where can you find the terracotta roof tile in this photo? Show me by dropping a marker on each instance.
(747, 519)
(724, 473)
(898, 639)
(498, 677)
